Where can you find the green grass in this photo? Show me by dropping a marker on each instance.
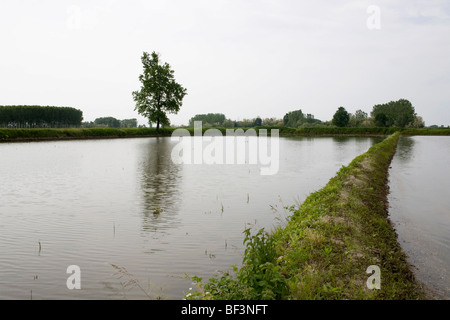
(11, 135)
(427, 132)
(326, 247)
(341, 230)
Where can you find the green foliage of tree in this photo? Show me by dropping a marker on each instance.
(245, 123)
(297, 119)
(107, 122)
(209, 119)
(39, 117)
(341, 118)
(360, 115)
(257, 122)
(229, 123)
(220, 120)
(381, 120)
(159, 94)
(417, 123)
(399, 113)
(360, 119)
(128, 123)
(293, 118)
(110, 122)
(272, 122)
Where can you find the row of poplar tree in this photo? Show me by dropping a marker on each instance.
(39, 117)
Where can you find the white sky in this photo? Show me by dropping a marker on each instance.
(243, 58)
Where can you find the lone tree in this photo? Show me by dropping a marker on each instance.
(341, 117)
(160, 94)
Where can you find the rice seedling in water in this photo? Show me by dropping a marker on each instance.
(129, 280)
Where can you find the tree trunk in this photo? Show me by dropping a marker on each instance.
(158, 110)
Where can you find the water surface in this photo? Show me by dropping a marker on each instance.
(420, 207)
(92, 204)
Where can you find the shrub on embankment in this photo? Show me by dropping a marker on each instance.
(326, 247)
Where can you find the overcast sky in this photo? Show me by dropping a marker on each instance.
(243, 58)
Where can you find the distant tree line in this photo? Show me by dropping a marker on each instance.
(293, 119)
(111, 122)
(399, 113)
(220, 120)
(39, 117)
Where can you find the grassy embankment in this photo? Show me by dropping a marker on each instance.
(12, 135)
(323, 252)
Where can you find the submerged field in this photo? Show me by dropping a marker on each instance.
(323, 252)
(94, 203)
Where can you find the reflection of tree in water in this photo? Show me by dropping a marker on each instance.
(340, 143)
(343, 145)
(160, 185)
(404, 152)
